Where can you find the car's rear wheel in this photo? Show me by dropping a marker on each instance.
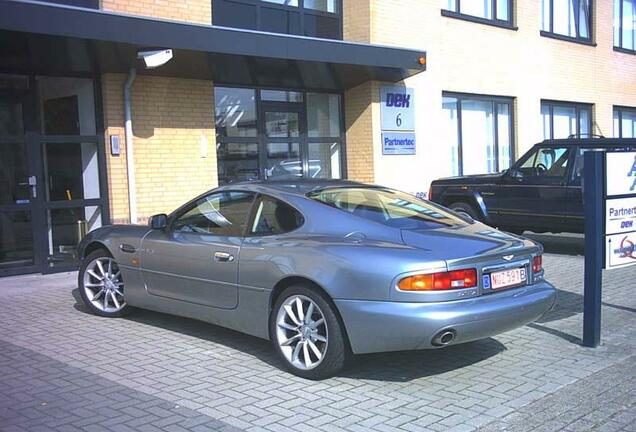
(465, 209)
(101, 285)
(306, 333)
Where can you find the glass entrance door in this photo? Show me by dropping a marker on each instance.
(18, 189)
(283, 139)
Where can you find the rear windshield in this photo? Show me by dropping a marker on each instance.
(388, 207)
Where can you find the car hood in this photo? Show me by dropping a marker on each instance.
(470, 179)
(474, 241)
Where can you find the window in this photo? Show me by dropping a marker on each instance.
(264, 134)
(479, 131)
(235, 112)
(546, 162)
(275, 217)
(498, 12)
(625, 24)
(624, 122)
(221, 213)
(570, 19)
(236, 161)
(315, 18)
(388, 207)
(565, 119)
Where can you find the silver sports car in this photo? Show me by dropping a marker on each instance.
(324, 269)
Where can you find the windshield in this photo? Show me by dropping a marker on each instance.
(389, 207)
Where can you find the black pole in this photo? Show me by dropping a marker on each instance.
(594, 199)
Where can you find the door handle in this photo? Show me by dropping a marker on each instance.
(32, 181)
(127, 248)
(223, 257)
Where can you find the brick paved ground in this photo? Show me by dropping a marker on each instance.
(64, 369)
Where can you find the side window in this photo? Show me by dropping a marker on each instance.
(578, 163)
(275, 217)
(221, 213)
(580, 160)
(547, 162)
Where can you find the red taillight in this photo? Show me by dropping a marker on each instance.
(537, 264)
(430, 193)
(456, 279)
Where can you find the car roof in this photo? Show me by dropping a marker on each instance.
(590, 142)
(296, 186)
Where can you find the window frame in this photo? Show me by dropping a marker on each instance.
(578, 107)
(304, 140)
(174, 216)
(507, 24)
(495, 100)
(253, 211)
(620, 47)
(300, 9)
(576, 39)
(619, 109)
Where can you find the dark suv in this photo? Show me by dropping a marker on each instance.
(541, 192)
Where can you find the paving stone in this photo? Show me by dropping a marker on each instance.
(62, 368)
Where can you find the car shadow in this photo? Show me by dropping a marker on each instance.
(394, 366)
(405, 366)
(559, 244)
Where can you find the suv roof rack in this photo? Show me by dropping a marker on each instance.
(589, 135)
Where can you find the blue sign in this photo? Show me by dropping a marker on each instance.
(398, 143)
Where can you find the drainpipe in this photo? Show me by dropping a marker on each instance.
(130, 154)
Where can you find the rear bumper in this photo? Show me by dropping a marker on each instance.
(374, 326)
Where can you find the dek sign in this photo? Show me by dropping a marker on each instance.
(397, 108)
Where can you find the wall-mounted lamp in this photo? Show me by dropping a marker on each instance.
(155, 58)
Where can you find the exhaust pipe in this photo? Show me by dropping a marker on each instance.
(443, 338)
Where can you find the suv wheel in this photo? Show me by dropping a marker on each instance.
(465, 209)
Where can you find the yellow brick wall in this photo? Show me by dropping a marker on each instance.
(475, 58)
(172, 119)
(360, 124)
(196, 11)
(356, 20)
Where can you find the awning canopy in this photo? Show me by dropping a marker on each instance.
(46, 38)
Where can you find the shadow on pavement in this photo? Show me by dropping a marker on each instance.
(559, 244)
(563, 335)
(395, 366)
(410, 365)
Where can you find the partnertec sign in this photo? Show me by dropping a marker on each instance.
(620, 215)
(398, 143)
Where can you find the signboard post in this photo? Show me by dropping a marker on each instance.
(610, 228)
(593, 195)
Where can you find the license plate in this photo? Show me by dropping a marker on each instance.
(507, 278)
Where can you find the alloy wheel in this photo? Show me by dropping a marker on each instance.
(103, 285)
(301, 332)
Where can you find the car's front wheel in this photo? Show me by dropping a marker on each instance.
(306, 333)
(101, 285)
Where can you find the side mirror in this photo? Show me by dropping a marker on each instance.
(515, 174)
(158, 221)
